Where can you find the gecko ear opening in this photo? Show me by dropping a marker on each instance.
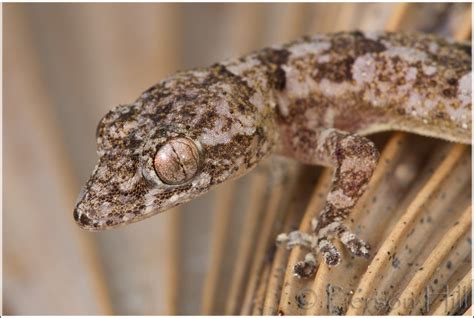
(177, 161)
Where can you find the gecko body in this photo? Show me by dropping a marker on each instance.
(312, 100)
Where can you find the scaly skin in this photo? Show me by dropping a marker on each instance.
(312, 100)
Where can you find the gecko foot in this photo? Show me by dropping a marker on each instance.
(321, 242)
(307, 267)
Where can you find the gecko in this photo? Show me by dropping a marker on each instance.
(313, 100)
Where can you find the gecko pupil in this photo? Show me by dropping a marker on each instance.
(177, 161)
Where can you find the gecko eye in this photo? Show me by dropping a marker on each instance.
(177, 161)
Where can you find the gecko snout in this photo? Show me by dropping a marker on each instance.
(81, 218)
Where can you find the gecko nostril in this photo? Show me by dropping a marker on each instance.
(75, 214)
(81, 218)
(84, 220)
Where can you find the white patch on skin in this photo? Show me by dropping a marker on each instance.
(410, 55)
(324, 58)
(212, 138)
(433, 47)
(130, 183)
(429, 70)
(377, 100)
(363, 70)
(239, 68)
(346, 237)
(465, 89)
(248, 65)
(283, 103)
(411, 73)
(241, 125)
(302, 85)
(329, 117)
(127, 217)
(176, 197)
(104, 209)
(357, 164)
(128, 126)
(460, 115)
(415, 103)
(258, 101)
(332, 89)
(222, 108)
(95, 188)
(371, 35)
(305, 48)
(203, 180)
(339, 199)
(150, 198)
(297, 86)
(313, 117)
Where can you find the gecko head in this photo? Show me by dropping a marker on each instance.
(155, 157)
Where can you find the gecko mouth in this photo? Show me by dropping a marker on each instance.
(109, 211)
(88, 218)
(111, 197)
(86, 221)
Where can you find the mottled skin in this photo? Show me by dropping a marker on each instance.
(311, 100)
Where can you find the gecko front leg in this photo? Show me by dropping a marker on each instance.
(354, 159)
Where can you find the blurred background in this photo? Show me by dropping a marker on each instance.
(64, 67)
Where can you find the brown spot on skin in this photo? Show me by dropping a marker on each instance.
(274, 56)
(338, 72)
(450, 92)
(224, 74)
(280, 79)
(354, 44)
(273, 59)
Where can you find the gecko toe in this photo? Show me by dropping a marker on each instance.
(359, 248)
(306, 268)
(354, 244)
(331, 255)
